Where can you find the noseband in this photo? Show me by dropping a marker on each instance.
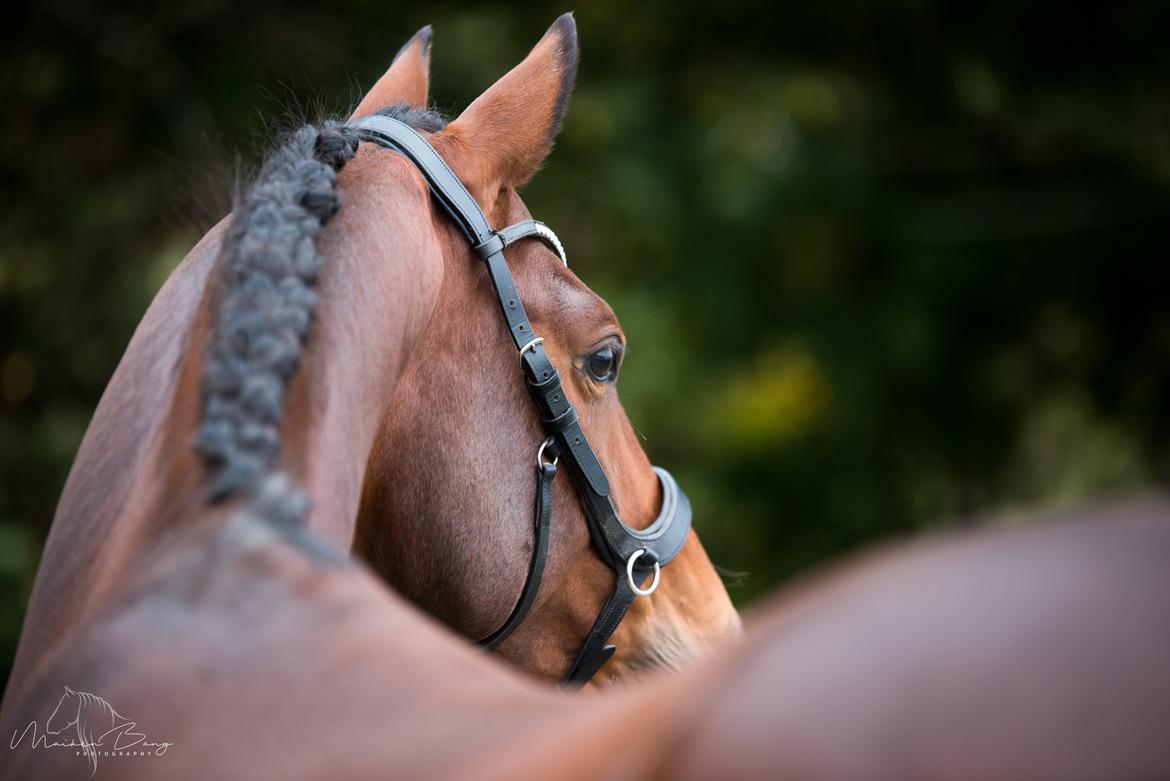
(633, 554)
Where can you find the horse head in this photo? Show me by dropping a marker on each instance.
(56, 722)
(446, 515)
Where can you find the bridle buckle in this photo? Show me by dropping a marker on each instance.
(531, 346)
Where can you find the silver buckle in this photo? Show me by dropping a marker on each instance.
(530, 346)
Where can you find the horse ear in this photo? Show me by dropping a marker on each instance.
(407, 81)
(508, 130)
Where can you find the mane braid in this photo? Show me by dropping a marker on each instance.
(271, 263)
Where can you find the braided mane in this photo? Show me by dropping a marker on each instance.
(271, 264)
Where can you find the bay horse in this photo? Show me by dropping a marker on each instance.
(249, 644)
(407, 425)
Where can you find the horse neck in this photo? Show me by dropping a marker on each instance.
(379, 290)
(136, 480)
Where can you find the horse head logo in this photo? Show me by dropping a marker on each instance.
(68, 705)
(88, 719)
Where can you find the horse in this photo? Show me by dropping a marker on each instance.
(257, 646)
(407, 425)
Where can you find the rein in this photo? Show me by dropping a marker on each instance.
(634, 555)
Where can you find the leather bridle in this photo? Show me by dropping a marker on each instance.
(633, 554)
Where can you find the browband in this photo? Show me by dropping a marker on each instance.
(536, 229)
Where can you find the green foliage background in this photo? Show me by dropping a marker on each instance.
(883, 266)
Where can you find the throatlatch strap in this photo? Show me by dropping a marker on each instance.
(544, 502)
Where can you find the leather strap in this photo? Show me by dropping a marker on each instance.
(509, 299)
(544, 502)
(596, 651)
(445, 186)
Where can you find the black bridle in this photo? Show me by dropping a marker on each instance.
(633, 554)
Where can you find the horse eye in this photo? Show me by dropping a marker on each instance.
(602, 365)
